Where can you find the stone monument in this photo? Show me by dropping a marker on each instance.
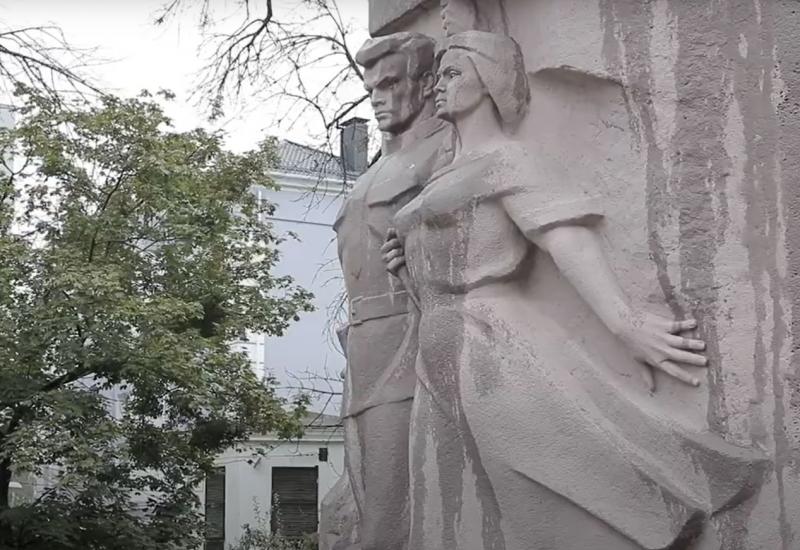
(520, 438)
(638, 221)
(381, 340)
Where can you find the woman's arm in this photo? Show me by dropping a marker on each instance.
(579, 256)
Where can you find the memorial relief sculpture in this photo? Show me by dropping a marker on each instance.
(468, 15)
(381, 340)
(519, 437)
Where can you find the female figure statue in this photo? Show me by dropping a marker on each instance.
(519, 441)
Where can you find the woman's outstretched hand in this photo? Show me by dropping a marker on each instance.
(661, 344)
(393, 253)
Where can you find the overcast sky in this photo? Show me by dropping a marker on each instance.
(141, 55)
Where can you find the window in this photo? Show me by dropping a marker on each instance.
(294, 501)
(215, 510)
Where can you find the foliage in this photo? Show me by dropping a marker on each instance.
(260, 537)
(133, 257)
(298, 56)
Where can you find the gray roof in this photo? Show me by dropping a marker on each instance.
(320, 420)
(307, 161)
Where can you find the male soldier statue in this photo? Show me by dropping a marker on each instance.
(381, 337)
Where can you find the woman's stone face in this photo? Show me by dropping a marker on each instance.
(459, 89)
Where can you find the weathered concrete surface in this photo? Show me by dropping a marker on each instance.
(686, 117)
(383, 16)
(339, 518)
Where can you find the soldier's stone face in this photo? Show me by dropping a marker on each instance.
(396, 97)
(459, 89)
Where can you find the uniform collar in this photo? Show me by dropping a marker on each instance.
(421, 130)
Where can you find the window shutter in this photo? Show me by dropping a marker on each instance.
(294, 501)
(215, 510)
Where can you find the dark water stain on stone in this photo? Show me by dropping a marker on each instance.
(632, 23)
(442, 369)
(418, 461)
(442, 344)
(758, 188)
(753, 88)
(735, 484)
(456, 452)
(682, 191)
(787, 47)
(699, 175)
(613, 56)
(696, 189)
(491, 528)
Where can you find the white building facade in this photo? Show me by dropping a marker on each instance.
(281, 487)
(272, 485)
(307, 200)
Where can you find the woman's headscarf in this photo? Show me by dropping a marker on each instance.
(501, 66)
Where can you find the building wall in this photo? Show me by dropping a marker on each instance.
(683, 117)
(248, 483)
(307, 209)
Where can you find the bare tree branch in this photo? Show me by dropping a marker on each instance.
(41, 57)
(325, 386)
(299, 58)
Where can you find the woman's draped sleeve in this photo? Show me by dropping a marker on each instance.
(537, 202)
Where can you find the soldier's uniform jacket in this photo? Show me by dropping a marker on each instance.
(381, 337)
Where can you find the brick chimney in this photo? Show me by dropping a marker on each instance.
(354, 146)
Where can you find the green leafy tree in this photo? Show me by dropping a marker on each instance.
(259, 536)
(133, 257)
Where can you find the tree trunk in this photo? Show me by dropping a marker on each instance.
(5, 485)
(5, 464)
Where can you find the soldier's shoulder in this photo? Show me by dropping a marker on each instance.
(367, 175)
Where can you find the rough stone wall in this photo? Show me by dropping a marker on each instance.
(685, 114)
(385, 15)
